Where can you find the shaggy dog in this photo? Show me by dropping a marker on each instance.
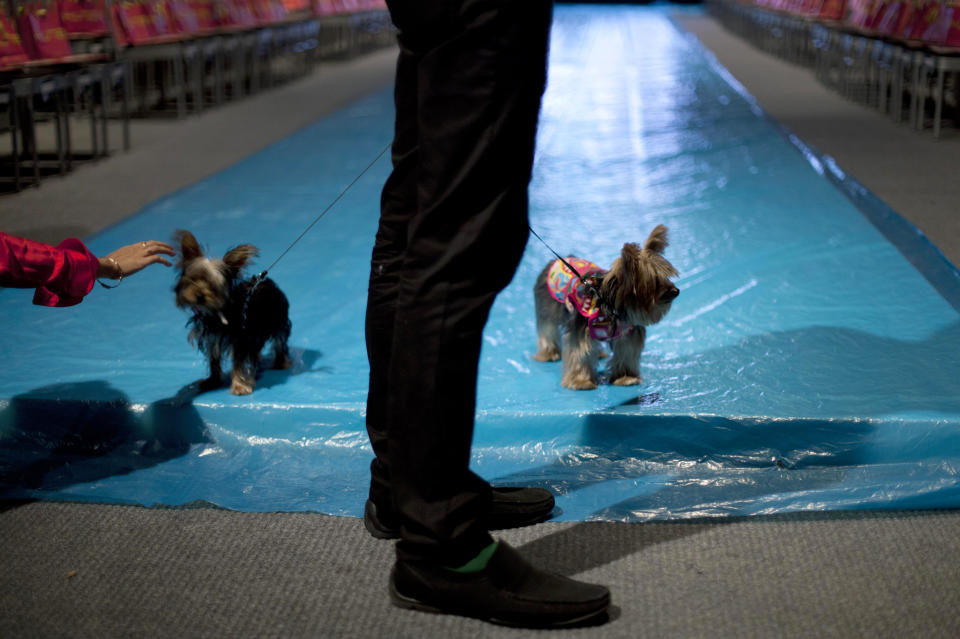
(232, 316)
(584, 305)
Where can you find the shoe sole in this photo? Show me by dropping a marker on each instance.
(595, 617)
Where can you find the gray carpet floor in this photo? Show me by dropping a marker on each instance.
(72, 570)
(92, 570)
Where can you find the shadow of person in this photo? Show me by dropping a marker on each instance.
(844, 408)
(64, 434)
(598, 543)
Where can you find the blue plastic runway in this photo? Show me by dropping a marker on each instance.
(810, 362)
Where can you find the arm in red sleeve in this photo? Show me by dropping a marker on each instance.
(62, 275)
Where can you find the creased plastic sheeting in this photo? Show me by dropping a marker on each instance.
(806, 365)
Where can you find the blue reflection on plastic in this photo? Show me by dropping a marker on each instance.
(806, 365)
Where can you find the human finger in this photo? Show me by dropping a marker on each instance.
(157, 246)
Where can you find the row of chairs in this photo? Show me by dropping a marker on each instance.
(116, 59)
(898, 56)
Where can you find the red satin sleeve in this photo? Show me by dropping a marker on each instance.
(62, 275)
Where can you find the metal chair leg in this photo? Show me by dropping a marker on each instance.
(938, 99)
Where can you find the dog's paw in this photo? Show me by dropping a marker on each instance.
(579, 383)
(282, 363)
(627, 380)
(547, 356)
(240, 387)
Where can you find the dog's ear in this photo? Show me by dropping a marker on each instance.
(657, 241)
(189, 247)
(237, 257)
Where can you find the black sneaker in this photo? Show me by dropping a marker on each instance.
(509, 591)
(510, 507)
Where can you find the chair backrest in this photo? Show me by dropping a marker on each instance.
(323, 8)
(347, 6)
(12, 52)
(86, 17)
(268, 11)
(890, 17)
(42, 32)
(925, 14)
(911, 9)
(236, 13)
(832, 9)
(944, 25)
(293, 6)
(183, 18)
(133, 22)
(160, 17)
(858, 13)
(206, 12)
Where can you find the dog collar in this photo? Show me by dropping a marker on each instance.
(584, 300)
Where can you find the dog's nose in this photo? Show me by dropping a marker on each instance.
(670, 294)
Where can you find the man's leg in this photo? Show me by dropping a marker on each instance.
(397, 207)
(510, 506)
(480, 77)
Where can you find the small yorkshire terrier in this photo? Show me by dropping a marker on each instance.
(588, 305)
(232, 316)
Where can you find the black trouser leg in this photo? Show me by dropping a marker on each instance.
(398, 206)
(452, 230)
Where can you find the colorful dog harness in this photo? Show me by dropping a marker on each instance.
(566, 288)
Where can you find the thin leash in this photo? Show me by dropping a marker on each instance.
(258, 278)
(262, 275)
(324, 212)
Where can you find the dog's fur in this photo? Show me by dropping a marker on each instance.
(637, 288)
(224, 321)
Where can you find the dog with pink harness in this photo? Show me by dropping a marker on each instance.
(582, 305)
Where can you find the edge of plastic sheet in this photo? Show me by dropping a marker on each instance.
(912, 243)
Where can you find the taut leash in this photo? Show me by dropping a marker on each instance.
(262, 275)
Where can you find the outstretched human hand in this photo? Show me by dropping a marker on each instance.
(127, 260)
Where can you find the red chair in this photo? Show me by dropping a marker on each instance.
(145, 35)
(51, 73)
(942, 39)
(45, 40)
